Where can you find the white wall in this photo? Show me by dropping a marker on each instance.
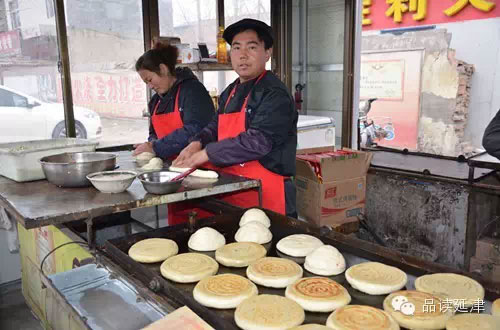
(478, 42)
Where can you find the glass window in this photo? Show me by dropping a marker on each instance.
(19, 101)
(105, 39)
(317, 59)
(193, 21)
(6, 99)
(435, 80)
(235, 10)
(28, 47)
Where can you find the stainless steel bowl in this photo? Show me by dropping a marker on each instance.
(159, 183)
(70, 169)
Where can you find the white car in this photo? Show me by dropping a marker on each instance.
(24, 118)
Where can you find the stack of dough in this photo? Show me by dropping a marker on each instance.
(274, 272)
(239, 254)
(204, 174)
(473, 321)
(153, 165)
(298, 245)
(206, 239)
(318, 294)
(188, 267)
(495, 308)
(224, 291)
(452, 286)
(268, 312)
(312, 326)
(361, 317)
(153, 250)
(255, 215)
(253, 231)
(413, 314)
(143, 158)
(375, 278)
(325, 260)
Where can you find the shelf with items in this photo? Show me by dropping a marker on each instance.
(201, 66)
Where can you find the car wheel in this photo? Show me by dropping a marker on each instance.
(60, 131)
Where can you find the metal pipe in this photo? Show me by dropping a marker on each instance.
(64, 68)
(348, 83)
(303, 50)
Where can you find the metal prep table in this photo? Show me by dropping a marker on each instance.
(40, 203)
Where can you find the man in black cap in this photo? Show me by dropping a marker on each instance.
(255, 132)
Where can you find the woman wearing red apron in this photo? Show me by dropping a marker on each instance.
(255, 132)
(179, 110)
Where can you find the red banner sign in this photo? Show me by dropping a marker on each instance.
(10, 43)
(392, 14)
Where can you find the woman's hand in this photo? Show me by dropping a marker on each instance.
(194, 161)
(187, 152)
(143, 147)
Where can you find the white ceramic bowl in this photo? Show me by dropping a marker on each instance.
(112, 181)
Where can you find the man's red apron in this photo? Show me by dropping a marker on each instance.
(273, 185)
(164, 124)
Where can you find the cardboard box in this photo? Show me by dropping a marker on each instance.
(488, 248)
(338, 197)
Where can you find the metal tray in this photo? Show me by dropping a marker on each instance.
(227, 224)
(19, 160)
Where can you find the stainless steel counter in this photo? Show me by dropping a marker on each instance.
(40, 203)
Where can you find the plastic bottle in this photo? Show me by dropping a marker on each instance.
(221, 47)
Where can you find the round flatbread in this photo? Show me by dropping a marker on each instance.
(452, 286)
(253, 231)
(153, 250)
(268, 312)
(274, 272)
(318, 294)
(224, 291)
(188, 267)
(473, 321)
(298, 245)
(326, 261)
(495, 308)
(312, 326)
(206, 239)
(417, 310)
(239, 254)
(255, 215)
(375, 278)
(361, 317)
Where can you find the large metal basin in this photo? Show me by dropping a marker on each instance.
(70, 170)
(159, 183)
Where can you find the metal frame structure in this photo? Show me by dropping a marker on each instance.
(281, 20)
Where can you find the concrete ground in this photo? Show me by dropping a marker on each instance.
(120, 131)
(14, 313)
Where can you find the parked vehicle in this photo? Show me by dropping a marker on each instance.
(23, 118)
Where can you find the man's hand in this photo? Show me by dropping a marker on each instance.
(195, 160)
(143, 147)
(187, 152)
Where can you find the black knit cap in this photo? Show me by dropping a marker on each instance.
(262, 29)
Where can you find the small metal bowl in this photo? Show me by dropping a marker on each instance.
(158, 182)
(71, 169)
(112, 181)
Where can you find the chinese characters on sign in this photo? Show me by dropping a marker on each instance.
(380, 13)
(398, 7)
(482, 5)
(122, 94)
(382, 79)
(9, 43)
